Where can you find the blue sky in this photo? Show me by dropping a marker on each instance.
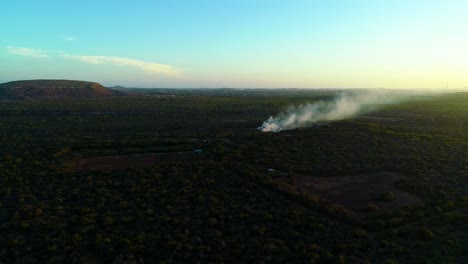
(204, 43)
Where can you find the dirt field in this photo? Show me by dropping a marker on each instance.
(132, 161)
(356, 192)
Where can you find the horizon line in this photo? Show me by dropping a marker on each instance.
(241, 88)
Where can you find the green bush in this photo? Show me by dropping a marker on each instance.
(423, 233)
(386, 197)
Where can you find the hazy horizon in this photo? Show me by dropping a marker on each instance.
(242, 44)
(437, 90)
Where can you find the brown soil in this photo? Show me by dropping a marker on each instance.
(356, 192)
(133, 161)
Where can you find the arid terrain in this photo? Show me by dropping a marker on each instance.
(187, 176)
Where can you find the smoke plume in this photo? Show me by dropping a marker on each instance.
(346, 105)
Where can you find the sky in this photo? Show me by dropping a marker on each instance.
(242, 43)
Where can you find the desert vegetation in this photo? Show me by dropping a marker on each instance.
(196, 181)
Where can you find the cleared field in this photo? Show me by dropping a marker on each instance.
(357, 192)
(133, 161)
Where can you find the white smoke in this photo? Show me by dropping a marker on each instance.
(346, 105)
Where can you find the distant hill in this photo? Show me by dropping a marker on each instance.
(54, 89)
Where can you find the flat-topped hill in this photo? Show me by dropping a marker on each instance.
(54, 89)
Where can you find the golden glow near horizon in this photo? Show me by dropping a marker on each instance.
(303, 44)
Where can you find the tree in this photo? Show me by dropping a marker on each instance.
(292, 178)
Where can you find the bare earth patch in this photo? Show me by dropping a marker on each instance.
(357, 192)
(132, 161)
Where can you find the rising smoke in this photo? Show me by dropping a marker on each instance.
(346, 105)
